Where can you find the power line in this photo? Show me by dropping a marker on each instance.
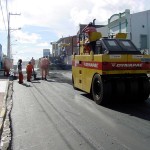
(2, 14)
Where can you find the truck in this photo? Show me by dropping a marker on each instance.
(117, 70)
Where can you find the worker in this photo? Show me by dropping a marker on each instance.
(90, 28)
(44, 65)
(29, 70)
(7, 66)
(20, 71)
(87, 47)
(33, 62)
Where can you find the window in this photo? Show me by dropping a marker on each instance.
(112, 45)
(127, 45)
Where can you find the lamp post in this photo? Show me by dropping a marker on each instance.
(11, 50)
(8, 36)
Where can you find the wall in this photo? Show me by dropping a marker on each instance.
(103, 30)
(119, 23)
(135, 25)
(64, 48)
(140, 25)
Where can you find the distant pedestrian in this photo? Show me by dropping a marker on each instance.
(29, 70)
(20, 71)
(33, 62)
(7, 66)
(44, 65)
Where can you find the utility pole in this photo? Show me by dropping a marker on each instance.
(8, 36)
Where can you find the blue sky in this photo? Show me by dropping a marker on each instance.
(45, 21)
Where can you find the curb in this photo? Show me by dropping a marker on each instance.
(3, 111)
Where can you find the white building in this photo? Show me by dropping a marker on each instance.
(46, 52)
(103, 30)
(137, 27)
(55, 50)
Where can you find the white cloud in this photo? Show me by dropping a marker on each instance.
(24, 37)
(44, 44)
(56, 14)
(64, 16)
(26, 53)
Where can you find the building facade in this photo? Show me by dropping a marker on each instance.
(64, 48)
(137, 27)
(103, 30)
(54, 49)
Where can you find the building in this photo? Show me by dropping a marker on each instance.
(103, 30)
(64, 48)
(46, 52)
(137, 27)
(54, 49)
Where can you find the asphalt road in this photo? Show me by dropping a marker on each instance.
(51, 115)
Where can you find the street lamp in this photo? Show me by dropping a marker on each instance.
(9, 55)
(8, 37)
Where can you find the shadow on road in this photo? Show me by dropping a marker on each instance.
(140, 110)
(58, 77)
(27, 85)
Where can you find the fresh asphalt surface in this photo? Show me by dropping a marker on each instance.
(51, 115)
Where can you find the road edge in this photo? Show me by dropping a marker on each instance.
(4, 109)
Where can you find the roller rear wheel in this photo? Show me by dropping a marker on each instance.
(101, 90)
(120, 90)
(144, 90)
(134, 88)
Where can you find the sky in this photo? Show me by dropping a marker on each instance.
(46, 21)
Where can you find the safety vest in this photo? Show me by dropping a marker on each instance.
(29, 68)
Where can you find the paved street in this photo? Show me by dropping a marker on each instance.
(51, 115)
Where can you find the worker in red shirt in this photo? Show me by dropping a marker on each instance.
(29, 70)
(90, 28)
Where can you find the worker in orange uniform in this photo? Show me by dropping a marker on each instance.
(20, 71)
(7, 66)
(44, 66)
(29, 70)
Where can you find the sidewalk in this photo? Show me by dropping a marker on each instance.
(3, 95)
